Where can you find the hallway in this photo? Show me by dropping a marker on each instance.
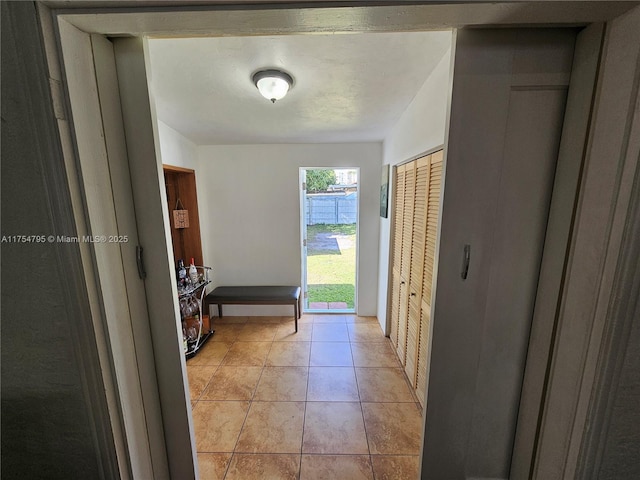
(328, 402)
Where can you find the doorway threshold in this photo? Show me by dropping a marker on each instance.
(331, 311)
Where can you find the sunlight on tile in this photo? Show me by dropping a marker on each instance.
(328, 402)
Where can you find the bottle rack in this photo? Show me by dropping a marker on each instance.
(195, 292)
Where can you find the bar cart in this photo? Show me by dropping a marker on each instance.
(190, 296)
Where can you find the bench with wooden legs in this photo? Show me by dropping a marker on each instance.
(256, 295)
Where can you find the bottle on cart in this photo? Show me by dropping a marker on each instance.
(193, 272)
(182, 274)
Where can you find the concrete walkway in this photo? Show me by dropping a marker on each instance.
(328, 305)
(327, 242)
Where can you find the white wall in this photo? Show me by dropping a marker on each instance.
(178, 151)
(421, 128)
(249, 203)
(175, 148)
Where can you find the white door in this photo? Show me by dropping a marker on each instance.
(152, 219)
(133, 260)
(508, 101)
(121, 310)
(121, 179)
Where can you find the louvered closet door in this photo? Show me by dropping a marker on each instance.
(417, 263)
(398, 210)
(405, 261)
(433, 209)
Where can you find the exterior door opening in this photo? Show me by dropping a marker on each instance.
(329, 226)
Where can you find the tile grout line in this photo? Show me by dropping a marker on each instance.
(245, 418)
(306, 398)
(351, 340)
(233, 453)
(364, 424)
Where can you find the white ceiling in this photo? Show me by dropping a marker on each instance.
(348, 88)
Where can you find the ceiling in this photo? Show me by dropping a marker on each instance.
(347, 88)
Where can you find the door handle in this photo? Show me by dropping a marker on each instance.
(466, 258)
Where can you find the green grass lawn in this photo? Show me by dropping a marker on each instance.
(331, 275)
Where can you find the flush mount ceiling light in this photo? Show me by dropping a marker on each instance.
(272, 84)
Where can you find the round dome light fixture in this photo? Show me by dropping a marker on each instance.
(272, 84)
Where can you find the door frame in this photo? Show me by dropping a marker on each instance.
(303, 238)
(117, 297)
(128, 20)
(302, 189)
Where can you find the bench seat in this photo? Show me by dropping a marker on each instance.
(256, 295)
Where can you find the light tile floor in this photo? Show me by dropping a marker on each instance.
(329, 402)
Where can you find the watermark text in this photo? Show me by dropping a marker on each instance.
(65, 239)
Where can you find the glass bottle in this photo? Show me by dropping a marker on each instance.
(193, 272)
(182, 274)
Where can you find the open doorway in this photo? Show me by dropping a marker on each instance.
(248, 192)
(363, 225)
(329, 226)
